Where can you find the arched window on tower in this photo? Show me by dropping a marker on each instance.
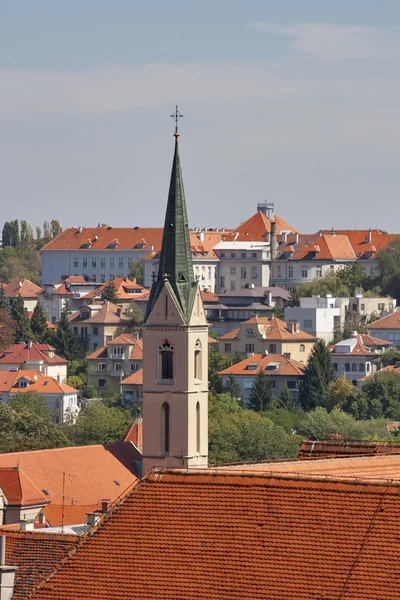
(198, 427)
(166, 352)
(197, 360)
(165, 426)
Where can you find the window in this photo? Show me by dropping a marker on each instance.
(249, 348)
(362, 306)
(118, 367)
(111, 262)
(95, 346)
(222, 281)
(102, 367)
(93, 276)
(354, 367)
(336, 322)
(290, 271)
(222, 255)
(75, 331)
(76, 263)
(292, 385)
(381, 306)
(102, 263)
(248, 384)
(243, 272)
(197, 360)
(95, 331)
(121, 262)
(272, 384)
(166, 351)
(134, 366)
(304, 272)
(254, 272)
(233, 270)
(198, 427)
(318, 272)
(254, 255)
(233, 286)
(102, 278)
(279, 271)
(335, 366)
(233, 255)
(165, 425)
(85, 262)
(302, 348)
(368, 366)
(22, 383)
(243, 255)
(332, 267)
(347, 367)
(272, 348)
(361, 368)
(287, 355)
(249, 333)
(228, 347)
(94, 262)
(307, 323)
(102, 383)
(112, 276)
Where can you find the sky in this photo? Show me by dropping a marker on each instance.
(293, 101)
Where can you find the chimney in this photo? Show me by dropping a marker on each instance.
(92, 518)
(105, 504)
(7, 573)
(369, 235)
(42, 519)
(26, 525)
(333, 231)
(30, 344)
(284, 237)
(293, 327)
(201, 236)
(273, 239)
(296, 238)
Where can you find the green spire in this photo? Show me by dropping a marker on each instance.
(175, 263)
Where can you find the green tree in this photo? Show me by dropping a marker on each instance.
(26, 423)
(19, 313)
(216, 364)
(99, 424)
(136, 271)
(7, 329)
(261, 395)
(390, 357)
(321, 425)
(24, 234)
(136, 318)
(39, 324)
(330, 284)
(382, 395)
(3, 299)
(232, 387)
(109, 292)
(389, 267)
(353, 277)
(55, 227)
(89, 391)
(6, 234)
(63, 338)
(286, 399)
(75, 381)
(15, 239)
(318, 374)
(46, 233)
(339, 391)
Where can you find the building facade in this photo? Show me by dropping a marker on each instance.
(115, 361)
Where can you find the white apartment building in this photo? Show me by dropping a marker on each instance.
(243, 264)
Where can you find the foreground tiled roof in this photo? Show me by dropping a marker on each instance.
(22, 287)
(18, 488)
(261, 362)
(229, 536)
(36, 555)
(314, 450)
(135, 434)
(391, 321)
(19, 353)
(93, 473)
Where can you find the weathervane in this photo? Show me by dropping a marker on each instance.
(176, 115)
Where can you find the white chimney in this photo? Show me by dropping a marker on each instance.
(26, 525)
(369, 236)
(201, 236)
(284, 237)
(7, 573)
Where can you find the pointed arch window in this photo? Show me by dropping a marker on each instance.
(197, 360)
(165, 426)
(198, 427)
(166, 353)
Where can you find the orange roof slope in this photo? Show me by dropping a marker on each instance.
(359, 240)
(127, 238)
(92, 472)
(258, 225)
(125, 289)
(37, 382)
(273, 329)
(109, 313)
(36, 555)
(19, 353)
(327, 247)
(391, 321)
(135, 378)
(226, 536)
(314, 450)
(22, 287)
(286, 366)
(135, 434)
(18, 488)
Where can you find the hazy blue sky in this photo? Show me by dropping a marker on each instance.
(294, 100)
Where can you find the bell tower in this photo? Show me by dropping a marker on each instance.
(175, 345)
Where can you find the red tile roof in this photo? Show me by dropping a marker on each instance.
(22, 287)
(358, 239)
(19, 353)
(135, 435)
(56, 514)
(109, 313)
(37, 382)
(92, 472)
(231, 335)
(122, 286)
(314, 450)
(357, 350)
(36, 555)
(391, 321)
(327, 247)
(18, 488)
(273, 329)
(123, 339)
(258, 225)
(135, 378)
(128, 238)
(212, 536)
(369, 340)
(260, 362)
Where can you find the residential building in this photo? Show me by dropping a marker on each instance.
(126, 291)
(36, 357)
(97, 324)
(353, 358)
(29, 291)
(281, 371)
(262, 335)
(132, 388)
(226, 310)
(175, 343)
(387, 328)
(61, 399)
(242, 263)
(71, 290)
(113, 362)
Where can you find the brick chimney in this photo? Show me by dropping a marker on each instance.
(7, 573)
(273, 239)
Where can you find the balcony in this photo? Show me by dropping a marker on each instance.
(118, 356)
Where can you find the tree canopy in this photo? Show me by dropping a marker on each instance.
(261, 395)
(63, 338)
(23, 331)
(319, 373)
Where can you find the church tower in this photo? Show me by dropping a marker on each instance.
(175, 344)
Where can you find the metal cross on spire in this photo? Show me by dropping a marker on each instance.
(176, 115)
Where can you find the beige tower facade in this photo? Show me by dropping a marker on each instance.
(175, 346)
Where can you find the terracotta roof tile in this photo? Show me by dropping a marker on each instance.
(327, 247)
(258, 225)
(391, 321)
(135, 378)
(19, 353)
(231, 335)
(122, 286)
(37, 382)
(22, 287)
(230, 536)
(135, 435)
(18, 488)
(108, 313)
(261, 362)
(128, 238)
(314, 450)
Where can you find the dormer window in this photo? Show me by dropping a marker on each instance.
(140, 246)
(23, 383)
(86, 244)
(251, 366)
(114, 243)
